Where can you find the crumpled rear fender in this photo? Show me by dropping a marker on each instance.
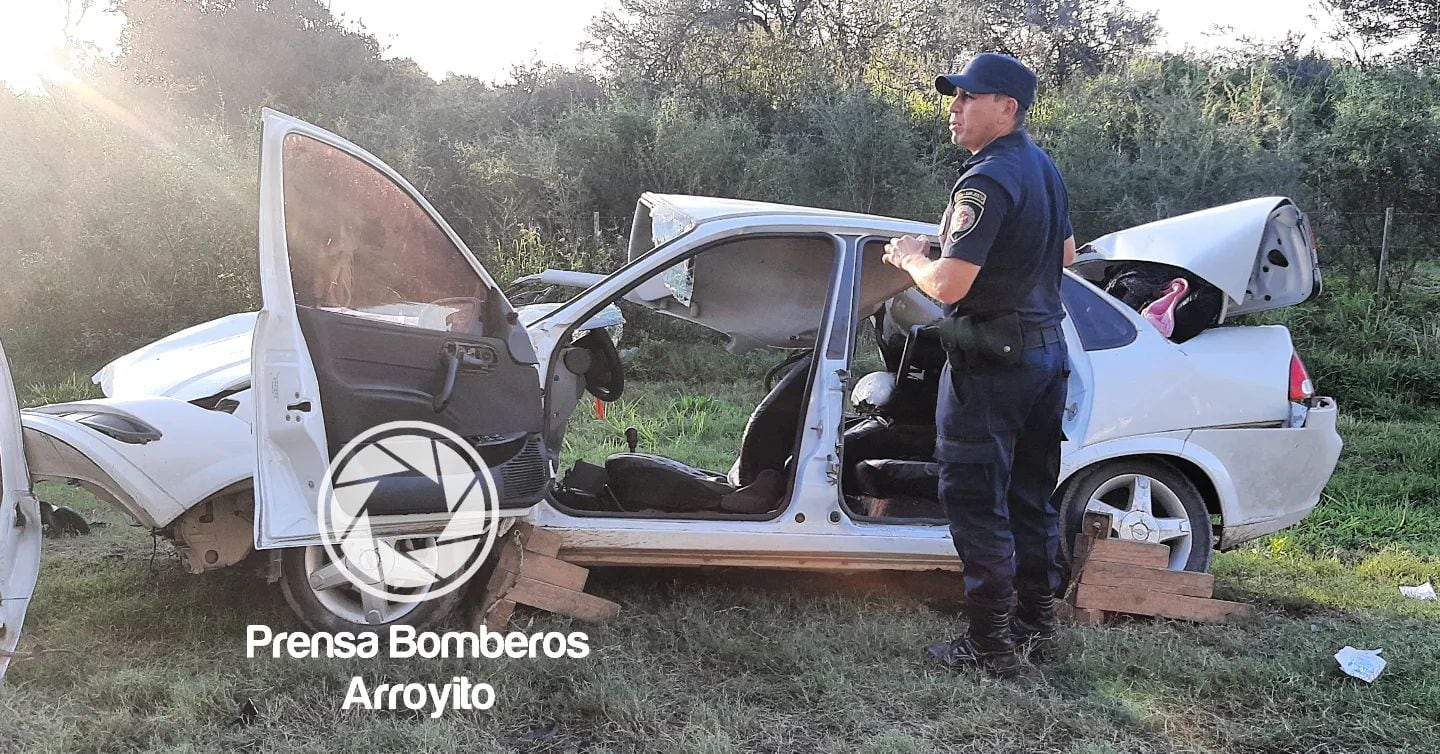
(197, 453)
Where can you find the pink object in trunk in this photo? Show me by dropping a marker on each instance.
(1161, 311)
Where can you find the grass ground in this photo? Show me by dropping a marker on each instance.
(149, 657)
(731, 661)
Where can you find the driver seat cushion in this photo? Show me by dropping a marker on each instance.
(642, 480)
(769, 437)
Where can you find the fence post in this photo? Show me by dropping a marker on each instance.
(595, 220)
(1384, 252)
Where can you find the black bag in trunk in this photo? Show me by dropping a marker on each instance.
(1140, 283)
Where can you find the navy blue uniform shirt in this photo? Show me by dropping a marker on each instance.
(1010, 215)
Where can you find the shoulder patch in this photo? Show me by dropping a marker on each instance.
(969, 205)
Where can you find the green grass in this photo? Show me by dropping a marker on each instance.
(730, 661)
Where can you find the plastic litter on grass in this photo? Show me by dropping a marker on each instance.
(1425, 592)
(1364, 664)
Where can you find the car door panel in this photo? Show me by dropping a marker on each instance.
(370, 373)
(375, 312)
(19, 522)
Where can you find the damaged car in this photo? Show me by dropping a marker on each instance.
(1189, 427)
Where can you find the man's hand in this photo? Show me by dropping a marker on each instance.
(945, 280)
(906, 250)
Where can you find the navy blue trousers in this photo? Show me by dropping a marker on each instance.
(998, 439)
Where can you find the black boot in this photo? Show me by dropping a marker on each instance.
(986, 645)
(1033, 627)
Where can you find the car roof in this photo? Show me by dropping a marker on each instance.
(704, 209)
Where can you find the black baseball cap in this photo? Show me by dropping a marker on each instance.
(991, 72)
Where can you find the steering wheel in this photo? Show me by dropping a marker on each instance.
(606, 378)
(435, 316)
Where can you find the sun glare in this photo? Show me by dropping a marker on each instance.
(31, 43)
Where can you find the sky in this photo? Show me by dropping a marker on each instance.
(485, 39)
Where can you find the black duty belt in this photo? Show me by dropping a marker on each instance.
(1042, 337)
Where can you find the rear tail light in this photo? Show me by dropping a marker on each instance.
(1301, 388)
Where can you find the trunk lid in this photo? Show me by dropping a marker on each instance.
(1260, 253)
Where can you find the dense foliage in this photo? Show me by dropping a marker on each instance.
(129, 190)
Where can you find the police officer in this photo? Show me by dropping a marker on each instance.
(1004, 239)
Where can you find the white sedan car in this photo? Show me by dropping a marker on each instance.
(375, 311)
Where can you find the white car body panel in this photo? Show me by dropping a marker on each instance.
(1226, 246)
(20, 527)
(1221, 377)
(1253, 460)
(196, 362)
(199, 453)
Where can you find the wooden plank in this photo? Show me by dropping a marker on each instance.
(1126, 576)
(1178, 606)
(496, 617)
(535, 539)
(501, 581)
(588, 607)
(542, 568)
(1126, 551)
(1084, 617)
(1097, 525)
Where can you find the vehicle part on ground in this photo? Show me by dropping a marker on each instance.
(325, 601)
(217, 533)
(61, 521)
(1148, 501)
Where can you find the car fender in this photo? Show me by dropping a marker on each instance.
(1166, 444)
(197, 453)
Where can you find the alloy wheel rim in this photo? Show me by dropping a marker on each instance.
(1143, 509)
(345, 601)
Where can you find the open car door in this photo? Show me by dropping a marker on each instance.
(375, 312)
(19, 523)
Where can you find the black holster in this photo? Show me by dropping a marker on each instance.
(969, 341)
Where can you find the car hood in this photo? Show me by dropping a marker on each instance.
(214, 357)
(1259, 252)
(197, 362)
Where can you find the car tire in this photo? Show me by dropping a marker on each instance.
(341, 608)
(1174, 498)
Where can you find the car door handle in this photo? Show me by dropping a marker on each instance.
(474, 357)
(450, 362)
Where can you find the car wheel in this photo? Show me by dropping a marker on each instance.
(1147, 501)
(325, 601)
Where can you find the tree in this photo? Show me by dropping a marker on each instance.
(1413, 24)
(228, 57)
(1063, 38)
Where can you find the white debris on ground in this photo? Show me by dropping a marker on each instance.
(1424, 592)
(1364, 664)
